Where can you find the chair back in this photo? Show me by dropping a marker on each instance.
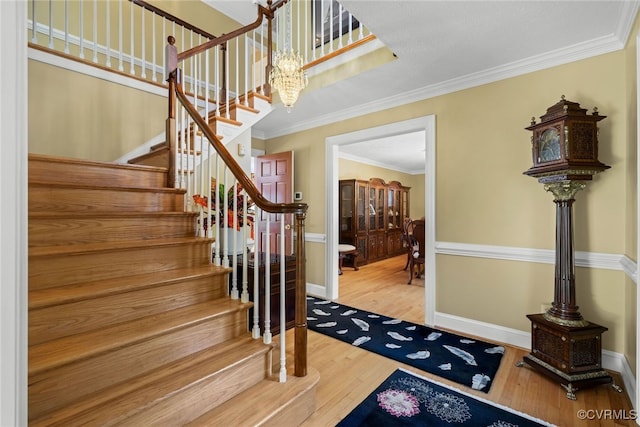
(418, 239)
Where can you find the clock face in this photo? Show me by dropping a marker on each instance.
(549, 146)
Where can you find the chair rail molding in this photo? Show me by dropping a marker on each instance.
(544, 256)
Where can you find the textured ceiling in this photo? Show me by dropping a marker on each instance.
(444, 46)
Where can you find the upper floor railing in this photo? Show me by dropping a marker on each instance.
(129, 36)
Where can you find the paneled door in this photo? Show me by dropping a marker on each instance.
(274, 178)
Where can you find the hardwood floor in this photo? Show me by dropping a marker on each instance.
(348, 374)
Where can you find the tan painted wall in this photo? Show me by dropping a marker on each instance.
(74, 115)
(71, 114)
(482, 197)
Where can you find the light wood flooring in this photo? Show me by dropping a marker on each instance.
(348, 374)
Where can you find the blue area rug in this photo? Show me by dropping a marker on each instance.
(461, 359)
(406, 399)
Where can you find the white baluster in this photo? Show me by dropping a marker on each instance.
(164, 58)
(267, 281)
(237, 44)
(217, 80)
(253, 59)
(108, 28)
(131, 36)
(153, 47)
(225, 254)
(34, 22)
(247, 63)
(50, 24)
(120, 41)
(256, 267)
(231, 234)
(143, 44)
(314, 29)
(227, 80)
(283, 320)
(218, 260)
(66, 26)
(245, 253)
(81, 25)
(350, 28)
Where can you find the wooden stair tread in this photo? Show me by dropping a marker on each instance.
(154, 385)
(112, 214)
(52, 354)
(78, 292)
(106, 187)
(110, 165)
(274, 397)
(83, 248)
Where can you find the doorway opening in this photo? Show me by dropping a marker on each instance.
(426, 125)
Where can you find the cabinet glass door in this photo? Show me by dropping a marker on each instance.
(391, 200)
(361, 206)
(381, 211)
(346, 208)
(372, 208)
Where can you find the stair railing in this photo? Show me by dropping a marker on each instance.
(215, 165)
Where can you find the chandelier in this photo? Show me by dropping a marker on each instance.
(287, 76)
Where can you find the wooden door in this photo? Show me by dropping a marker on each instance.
(274, 178)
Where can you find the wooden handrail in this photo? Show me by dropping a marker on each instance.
(262, 13)
(248, 185)
(172, 18)
(299, 209)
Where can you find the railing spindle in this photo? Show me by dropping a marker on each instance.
(66, 26)
(50, 24)
(231, 235)
(267, 280)
(81, 26)
(218, 248)
(143, 45)
(34, 22)
(244, 297)
(108, 28)
(283, 302)
(255, 331)
(131, 44)
(120, 40)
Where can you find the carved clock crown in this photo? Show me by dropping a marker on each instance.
(564, 144)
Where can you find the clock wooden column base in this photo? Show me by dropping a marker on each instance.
(570, 355)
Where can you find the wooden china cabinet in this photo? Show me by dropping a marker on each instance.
(371, 216)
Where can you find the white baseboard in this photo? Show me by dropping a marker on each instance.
(610, 360)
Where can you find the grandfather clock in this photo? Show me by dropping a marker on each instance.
(565, 346)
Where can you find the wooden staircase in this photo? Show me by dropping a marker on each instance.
(129, 322)
(226, 127)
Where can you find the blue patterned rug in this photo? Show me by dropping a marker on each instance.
(466, 361)
(406, 399)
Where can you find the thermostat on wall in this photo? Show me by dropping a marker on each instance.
(297, 196)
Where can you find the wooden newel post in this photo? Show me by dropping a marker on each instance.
(171, 55)
(300, 339)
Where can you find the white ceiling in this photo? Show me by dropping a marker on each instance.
(444, 46)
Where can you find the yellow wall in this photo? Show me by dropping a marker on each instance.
(482, 197)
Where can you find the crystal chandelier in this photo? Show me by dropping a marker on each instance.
(287, 76)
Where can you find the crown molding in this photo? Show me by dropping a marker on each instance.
(576, 52)
(370, 162)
